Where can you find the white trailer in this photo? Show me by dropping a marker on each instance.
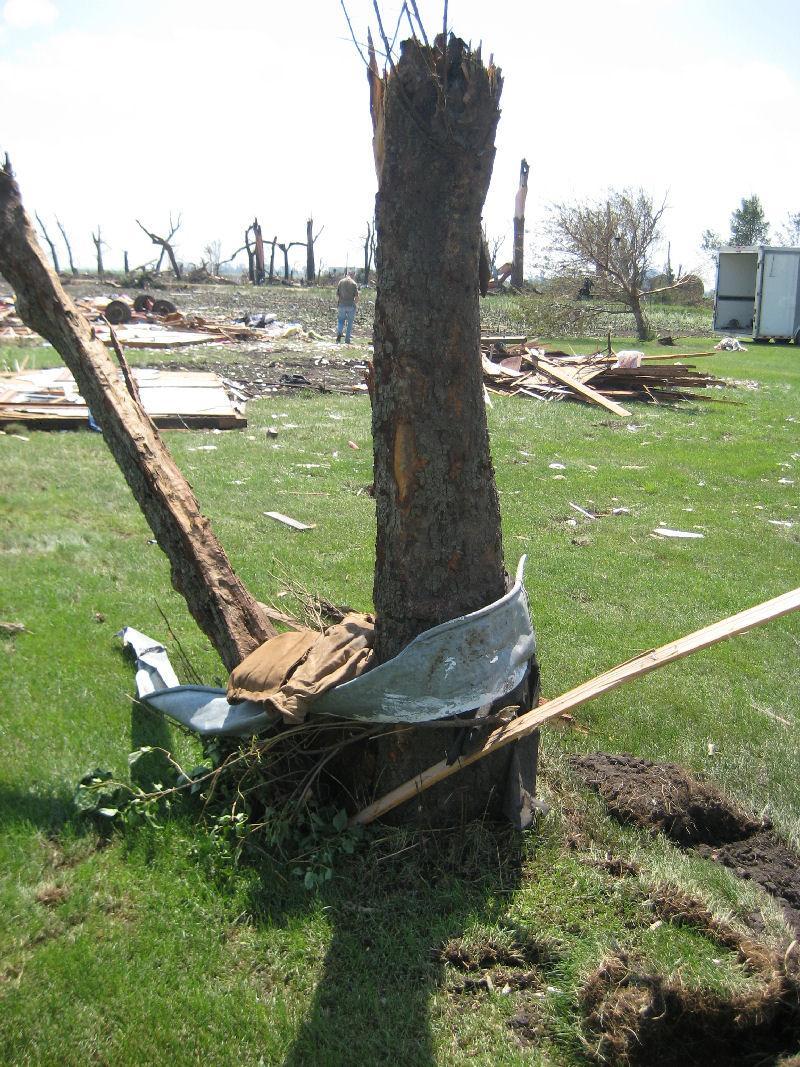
(758, 293)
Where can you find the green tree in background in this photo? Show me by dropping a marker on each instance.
(749, 225)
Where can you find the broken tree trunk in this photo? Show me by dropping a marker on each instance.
(439, 546)
(251, 256)
(311, 269)
(200, 570)
(260, 273)
(273, 242)
(98, 245)
(518, 257)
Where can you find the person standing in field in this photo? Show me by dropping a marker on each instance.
(347, 292)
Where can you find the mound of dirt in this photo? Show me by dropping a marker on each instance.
(765, 859)
(666, 798)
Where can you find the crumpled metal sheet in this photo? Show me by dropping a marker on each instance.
(207, 712)
(450, 669)
(153, 668)
(203, 709)
(456, 667)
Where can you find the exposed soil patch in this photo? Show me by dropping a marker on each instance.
(513, 967)
(487, 953)
(663, 797)
(526, 1026)
(635, 1017)
(765, 859)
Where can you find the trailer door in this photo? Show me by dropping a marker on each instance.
(736, 292)
(778, 294)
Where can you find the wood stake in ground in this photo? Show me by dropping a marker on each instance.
(603, 683)
(201, 572)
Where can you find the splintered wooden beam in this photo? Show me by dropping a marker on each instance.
(595, 687)
(201, 572)
(558, 374)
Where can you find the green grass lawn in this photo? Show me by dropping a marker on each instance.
(151, 946)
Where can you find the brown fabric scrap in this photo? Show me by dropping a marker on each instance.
(289, 671)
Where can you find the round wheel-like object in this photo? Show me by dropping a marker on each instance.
(143, 302)
(164, 307)
(117, 312)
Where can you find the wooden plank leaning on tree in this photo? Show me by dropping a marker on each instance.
(221, 606)
(595, 687)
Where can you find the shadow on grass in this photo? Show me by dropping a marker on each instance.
(46, 812)
(392, 915)
(50, 812)
(149, 727)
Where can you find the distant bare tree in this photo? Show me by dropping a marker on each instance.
(165, 244)
(369, 250)
(232, 256)
(285, 248)
(212, 255)
(789, 234)
(493, 246)
(98, 246)
(613, 240)
(72, 266)
(46, 236)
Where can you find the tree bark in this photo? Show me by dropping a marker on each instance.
(439, 547)
(200, 570)
(518, 257)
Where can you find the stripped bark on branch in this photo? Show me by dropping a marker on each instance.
(200, 570)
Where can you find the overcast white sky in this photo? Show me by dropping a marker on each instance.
(111, 111)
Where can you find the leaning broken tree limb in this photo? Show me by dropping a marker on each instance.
(200, 570)
(574, 698)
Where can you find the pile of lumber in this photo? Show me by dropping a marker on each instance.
(608, 379)
(49, 399)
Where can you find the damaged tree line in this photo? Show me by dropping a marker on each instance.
(439, 551)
